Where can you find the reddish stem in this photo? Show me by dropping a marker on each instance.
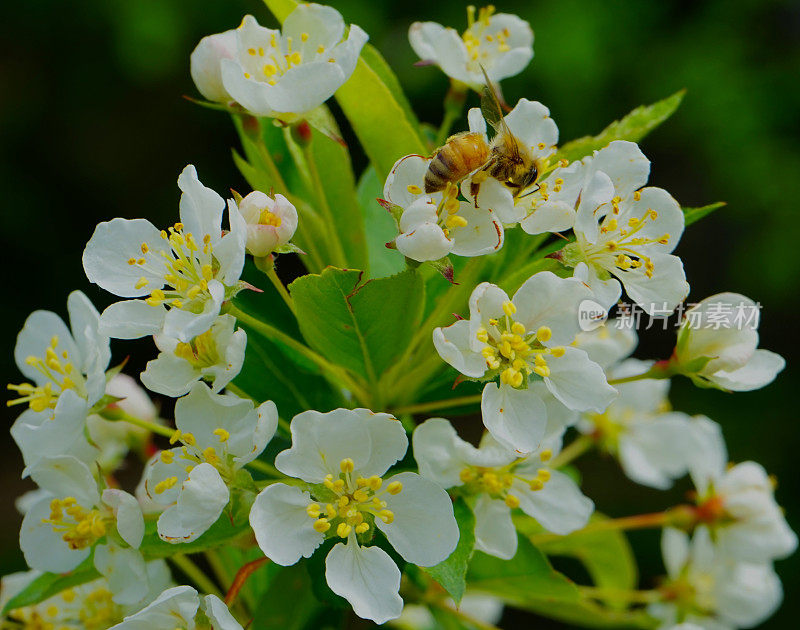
(241, 577)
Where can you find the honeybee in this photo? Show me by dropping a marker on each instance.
(504, 159)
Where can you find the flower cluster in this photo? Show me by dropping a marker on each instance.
(329, 492)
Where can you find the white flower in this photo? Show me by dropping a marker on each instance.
(718, 345)
(626, 233)
(343, 456)
(501, 480)
(271, 222)
(654, 445)
(219, 435)
(188, 272)
(537, 135)
(75, 517)
(177, 608)
(113, 439)
(522, 341)
(205, 65)
(738, 503)
(87, 606)
(67, 370)
(285, 74)
(608, 344)
(215, 356)
(711, 590)
(500, 42)
(435, 225)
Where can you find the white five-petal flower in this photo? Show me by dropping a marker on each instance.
(624, 234)
(738, 502)
(501, 480)
(710, 589)
(500, 42)
(437, 224)
(285, 74)
(67, 370)
(73, 517)
(215, 356)
(205, 65)
(718, 345)
(187, 271)
(342, 456)
(219, 435)
(523, 341)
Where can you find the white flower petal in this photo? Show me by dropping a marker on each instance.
(367, 578)
(35, 337)
(560, 506)
(674, 550)
(66, 476)
(660, 293)
(202, 498)
(516, 418)
(435, 450)
(132, 319)
(85, 323)
(624, 163)
(425, 242)
(318, 24)
(113, 244)
(609, 344)
(759, 371)
(453, 345)
(531, 124)
(204, 64)
(578, 382)
(444, 46)
(408, 171)
(547, 300)
(483, 233)
(283, 529)
(169, 375)
(125, 571)
(550, 216)
(128, 513)
(494, 530)
(43, 548)
(388, 442)
(175, 606)
(218, 613)
(424, 530)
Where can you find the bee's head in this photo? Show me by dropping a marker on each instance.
(523, 178)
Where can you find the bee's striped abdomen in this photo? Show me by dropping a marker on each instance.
(455, 160)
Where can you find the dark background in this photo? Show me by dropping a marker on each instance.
(92, 126)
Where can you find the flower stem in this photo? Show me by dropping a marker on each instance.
(621, 595)
(241, 577)
(276, 282)
(438, 404)
(661, 369)
(640, 521)
(572, 451)
(453, 106)
(337, 373)
(265, 467)
(195, 574)
(158, 429)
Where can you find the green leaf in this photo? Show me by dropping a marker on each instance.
(374, 104)
(49, 584)
(529, 582)
(380, 228)
(633, 127)
(607, 555)
(288, 603)
(692, 215)
(452, 572)
(339, 186)
(361, 326)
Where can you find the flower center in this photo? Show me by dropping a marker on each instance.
(353, 502)
(512, 351)
(185, 270)
(200, 352)
(497, 482)
(193, 456)
(447, 209)
(268, 63)
(79, 527)
(482, 46)
(619, 248)
(60, 374)
(269, 218)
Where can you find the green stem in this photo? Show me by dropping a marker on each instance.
(337, 373)
(158, 429)
(340, 258)
(572, 451)
(453, 107)
(266, 468)
(640, 521)
(438, 404)
(276, 282)
(621, 595)
(193, 572)
(659, 371)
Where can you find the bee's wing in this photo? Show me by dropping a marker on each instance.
(493, 112)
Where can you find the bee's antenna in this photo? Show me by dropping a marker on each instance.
(529, 192)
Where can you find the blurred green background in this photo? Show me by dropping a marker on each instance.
(92, 126)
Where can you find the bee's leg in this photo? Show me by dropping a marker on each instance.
(475, 185)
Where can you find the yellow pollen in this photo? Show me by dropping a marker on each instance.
(210, 455)
(347, 465)
(320, 49)
(142, 282)
(251, 51)
(188, 439)
(313, 510)
(322, 525)
(509, 308)
(387, 516)
(543, 474)
(394, 488)
(512, 501)
(343, 530)
(167, 457)
(558, 351)
(269, 69)
(545, 455)
(637, 196)
(544, 334)
(536, 484)
(362, 528)
(165, 484)
(454, 221)
(222, 434)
